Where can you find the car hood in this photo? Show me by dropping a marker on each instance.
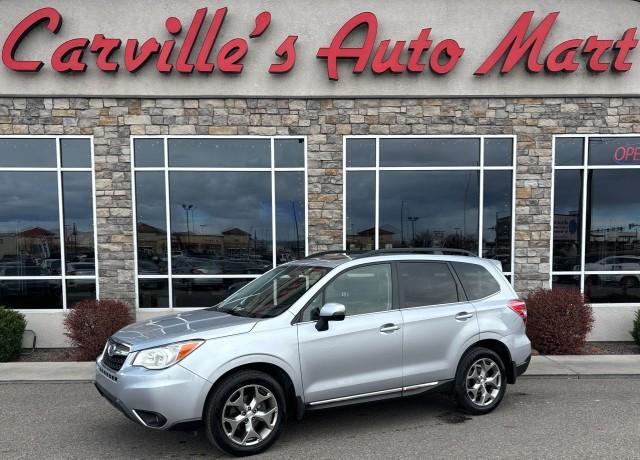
(197, 324)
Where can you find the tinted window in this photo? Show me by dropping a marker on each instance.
(30, 153)
(567, 220)
(361, 290)
(498, 151)
(476, 280)
(29, 224)
(220, 153)
(423, 284)
(614, 151)
(361, 209)
(76, 153)
(78, 219)
(149, 152)
(220, 222)
(569, 151)
(78, 290)
(288, 153)
(153, 293)
(612, 288)
(151, 223)
(429, 209)
(429, 152)
(361, 152)
(613, 217)
(290, 244)
(27, 294)
(497, 217)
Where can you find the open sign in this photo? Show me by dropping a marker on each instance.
(627, 154)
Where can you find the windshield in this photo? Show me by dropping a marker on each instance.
(272, 293)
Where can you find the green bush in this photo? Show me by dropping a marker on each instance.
(635, 332)
(12, 326)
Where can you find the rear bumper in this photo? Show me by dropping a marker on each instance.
(522, 368)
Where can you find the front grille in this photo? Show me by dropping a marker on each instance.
(114, 355)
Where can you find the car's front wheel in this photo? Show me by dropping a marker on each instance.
(480, 382)
(246, 413)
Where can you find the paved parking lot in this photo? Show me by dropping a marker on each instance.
(539, 418)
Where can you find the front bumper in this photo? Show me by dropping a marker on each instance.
(175, 395)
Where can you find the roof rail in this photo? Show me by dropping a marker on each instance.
(434, 251)
(360, 253)
(337, 251)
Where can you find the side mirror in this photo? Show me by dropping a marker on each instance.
(330, 312)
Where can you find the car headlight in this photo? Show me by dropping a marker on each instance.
(168, 355)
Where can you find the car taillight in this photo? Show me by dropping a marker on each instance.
(198, 271)
(520, 308)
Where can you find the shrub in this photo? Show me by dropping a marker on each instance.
(12, 326)
(558, 320)
(91, 322)
(635, 332)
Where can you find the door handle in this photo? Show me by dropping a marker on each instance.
(389, 328)
(463, 316)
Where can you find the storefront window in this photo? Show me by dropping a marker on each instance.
(222, 212)
(454, 192)
(596, 246)
(47, 229)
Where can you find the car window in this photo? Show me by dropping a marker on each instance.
(361, 290)
(426, 283)
(477, 282)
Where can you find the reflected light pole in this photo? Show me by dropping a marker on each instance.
(187, 208)
(413, 220)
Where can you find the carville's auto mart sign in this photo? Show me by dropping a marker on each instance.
(318, 48)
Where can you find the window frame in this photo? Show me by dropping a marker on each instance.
(585, 167)
(59, 170)
(481, 168)
(166, 169)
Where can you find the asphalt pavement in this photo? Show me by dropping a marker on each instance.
(539, 418)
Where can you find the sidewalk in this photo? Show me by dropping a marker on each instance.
(541, 366)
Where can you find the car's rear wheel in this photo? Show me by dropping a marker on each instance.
(481, 381)
(246, 413)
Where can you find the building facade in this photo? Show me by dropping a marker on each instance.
(168, 192)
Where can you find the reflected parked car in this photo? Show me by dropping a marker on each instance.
(147, 267)
(614, 264)
(81, 269)
(51, 266)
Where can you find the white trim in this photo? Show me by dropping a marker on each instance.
(59, 169)
(63, 259)
(166, 170)
(481, 168)
(376, 220)
(481, 202)
(584, 167)
(274, 230)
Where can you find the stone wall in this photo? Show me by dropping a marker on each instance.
(324, 121)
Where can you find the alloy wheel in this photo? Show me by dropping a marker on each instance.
(250, 415)
(483, 382)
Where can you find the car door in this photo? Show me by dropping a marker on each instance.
(437, 322)
(361, 354)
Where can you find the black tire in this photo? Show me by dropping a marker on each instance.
(460, 393)
(215, 406)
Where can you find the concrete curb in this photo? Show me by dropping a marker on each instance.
(541, 366)
(48, 372)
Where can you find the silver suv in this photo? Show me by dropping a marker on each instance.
(328, 330)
